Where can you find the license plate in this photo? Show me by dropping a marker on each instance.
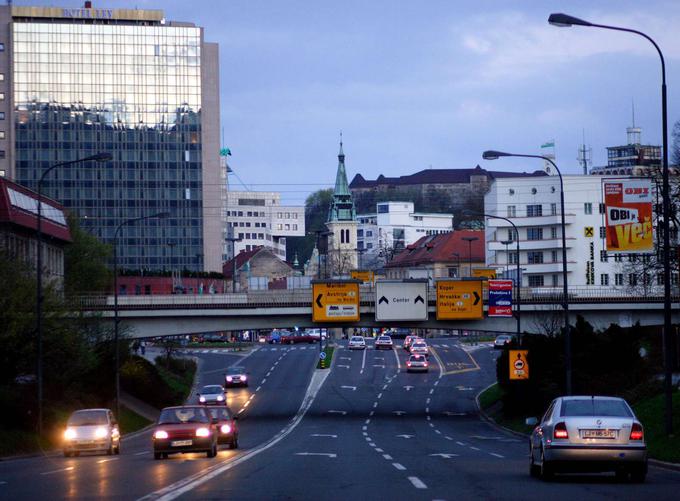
(598, 433)
(181, 443)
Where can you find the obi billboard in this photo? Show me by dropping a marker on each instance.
(500, 298)
(628, 215)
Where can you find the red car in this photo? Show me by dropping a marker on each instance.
(227, 428)
(188, 428)
(297, 337)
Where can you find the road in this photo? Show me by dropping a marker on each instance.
(373, 431)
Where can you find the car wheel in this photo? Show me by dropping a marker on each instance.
(157, 455)
(638, 474)
(165, 455)
(212, 452)
(534, 469)
(117, 451)
(109, 451)
(234, 443)
(547, 471)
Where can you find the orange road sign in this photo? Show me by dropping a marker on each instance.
(519, 366)
(335, 301)
(459, 299)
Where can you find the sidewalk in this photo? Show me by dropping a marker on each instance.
(137, 406)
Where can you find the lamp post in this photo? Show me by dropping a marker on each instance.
(99, 157)
(564, 20)
(160, 215)
(233, 241)
(507, 255)
(458, 260)
(494, 155)
(469, 240)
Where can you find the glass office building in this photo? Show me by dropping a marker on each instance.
(129, 83)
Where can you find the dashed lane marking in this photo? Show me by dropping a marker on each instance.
(460, 443)
(258, 388)
(399, 466)
(474, 448)
(497, 455)
(368, 421)
(431, 391)
(417, 483)
(107, 460)
(388, 457)
(141, 453)
(379, 450)
(448, 438)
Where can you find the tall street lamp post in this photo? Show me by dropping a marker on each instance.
(99, 157)
(233, 241)
(160, 215)
(494, 155)
(564, 20)
(469, 240)
(458, 263)
(507, 255)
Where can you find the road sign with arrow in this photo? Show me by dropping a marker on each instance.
(400, 300)
(335, 301)
(459, 299)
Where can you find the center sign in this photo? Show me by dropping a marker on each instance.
(335, 301)
(400, 300)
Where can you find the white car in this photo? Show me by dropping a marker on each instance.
(383, 342)
(91, 430)
(212, 394)
(419, 348)
(357, 343)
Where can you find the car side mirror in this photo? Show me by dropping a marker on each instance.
(531, 421)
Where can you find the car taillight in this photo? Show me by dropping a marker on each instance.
(161, 434)
(560, 431)
(636, 432)
(408, 364)
(225, 428)
(202, 432)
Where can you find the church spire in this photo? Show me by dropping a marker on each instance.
(342, 206)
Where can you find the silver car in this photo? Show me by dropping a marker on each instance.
(383, 342)
(357, 343)
(417, 363)
(91, 430)
(588, 434)
(212, 394)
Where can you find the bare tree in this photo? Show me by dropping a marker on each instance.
(549, 320)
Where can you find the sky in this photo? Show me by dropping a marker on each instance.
(425, 84)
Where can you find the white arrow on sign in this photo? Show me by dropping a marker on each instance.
(323, 435)
(405, 436)
(399, 413)
(353, 388)
(337, 412)
(445, 455)
(327, 454)
(409, 388)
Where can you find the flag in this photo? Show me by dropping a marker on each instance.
(550, 144)
(225, 152)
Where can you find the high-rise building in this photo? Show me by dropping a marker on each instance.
(75, 82)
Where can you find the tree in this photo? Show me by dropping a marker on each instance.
(316, 214)
(674, 150)
(86, 262)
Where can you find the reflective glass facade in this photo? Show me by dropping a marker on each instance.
(133, 90)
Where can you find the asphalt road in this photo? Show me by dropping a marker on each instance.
(373, 431)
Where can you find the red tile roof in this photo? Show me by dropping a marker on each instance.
(241, 258)
(441, 248)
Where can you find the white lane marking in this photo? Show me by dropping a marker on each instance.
(397, 358)
(428, 400)
(460, 443)
(368, 421)
(343, 366)
(258, 388)
(436, 382)
(474, 448)
(378, 358)
(187, 484)
(337, 412)
(379, 395)
(429, 418)
(431, 391)
(375, 404)
(399, 413)
(405, 436)
(363, 363)
(371, 413)
(353, 388)
(445, 455)
(497, 455)
(268, 374)
(379, 450)
(364, 428)
(371, 444)
(427, 410)
(409, 388)
(388, 457)
(345, 358)
(107, 460)
(368, 439)
(431, 425)
(381, 366)
(323, 435)
(417, 483)
(326, 454)
(438, 432)
(264, 380)
(399, 466)
(384, 387)
(2, 482)
(365, 434)
(69, 468)
(141, 453)
(448, 438)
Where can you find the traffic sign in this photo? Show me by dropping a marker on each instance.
(400, 300)
(484, 273)
(366, 276)
(335, 301)
(459, 299)
(519, 366)
(500, 298)
(322, 355)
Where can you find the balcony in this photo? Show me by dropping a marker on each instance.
(524, 245)
(521, 222)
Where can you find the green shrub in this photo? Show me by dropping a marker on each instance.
(141, 379)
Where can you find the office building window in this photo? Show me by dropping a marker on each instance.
(587, 208)
(453, 272)
(618, 279)
(553, 255)
(2, 153)
(536, 281)
(2, 47)
(604, 279)
(534, 233)
(553, 232)
(513, 257)
(2, 115)
(603, 256)
(511, 211)
(2, 96)
(369, 245)
(618, 258)
(553, 209)
(534, 257)
(369, 233)
(2, 77)
(534, 210)
(632, 279)
(2, 134)
(555, 280)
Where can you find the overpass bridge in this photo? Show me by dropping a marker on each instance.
(541, 311)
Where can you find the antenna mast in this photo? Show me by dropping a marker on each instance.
(584, 154)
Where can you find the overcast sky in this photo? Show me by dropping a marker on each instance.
(419, 84)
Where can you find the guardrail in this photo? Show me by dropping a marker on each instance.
(303, 298)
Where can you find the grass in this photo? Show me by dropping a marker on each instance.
(477, 339)
(329, 358)
(489, 401)
(179, 384)
(651, 414)
(130, 421)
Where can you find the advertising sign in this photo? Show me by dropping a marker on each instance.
(628, 215)
(500, 298)
(402, 300)
(366, 276)
(519, 366)
(335, 301)
(484, 272)
(458, 299)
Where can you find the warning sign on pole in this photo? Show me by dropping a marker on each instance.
(519, 367)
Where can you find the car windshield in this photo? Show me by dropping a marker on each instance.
(237, 370)
(595, 407)
(384, 338)
(84, 418)
(356, 338)
(220, 413)
(213, 388)
(416, 358)
(183, 415)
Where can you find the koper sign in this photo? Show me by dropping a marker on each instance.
(459, 299)
(628, 215)
(500, 298)
(401, 300)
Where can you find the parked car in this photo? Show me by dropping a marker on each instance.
(357, 343)
(295, 337)
(588, 434)
(227, 427)
(187, 428)
(417, 363)
(212, 394)
(91, 430)
(502, 341)
(274, 337)
(235, 376)
(383, 342)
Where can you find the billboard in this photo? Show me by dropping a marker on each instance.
(628, 215)
(500, 298)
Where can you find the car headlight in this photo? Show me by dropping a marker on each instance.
(201, 399)
(243, 377)
(220, 398)
(101, 432)
(225, 428)
(229, 379)
(202, 432)
(161, 434)
(70, 433)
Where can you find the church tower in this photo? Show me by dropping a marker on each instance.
(342, 224)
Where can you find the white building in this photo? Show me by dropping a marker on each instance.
(394, 226)
(259, 219)
(533, 204)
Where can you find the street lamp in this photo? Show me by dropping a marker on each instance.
(160, 215)
(494, 155)
(469, 240)
(233, 241)
(99, 157)
(565, 20)
(458, 261)
(507, 255)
